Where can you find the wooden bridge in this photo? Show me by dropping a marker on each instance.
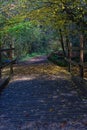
(42, 95)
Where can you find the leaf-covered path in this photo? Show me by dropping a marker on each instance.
(41, 96)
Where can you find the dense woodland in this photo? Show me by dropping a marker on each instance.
(43, 25)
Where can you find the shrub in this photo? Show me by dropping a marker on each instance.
(57, 59)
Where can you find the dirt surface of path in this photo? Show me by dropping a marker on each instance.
(35, 60)
(41, 96)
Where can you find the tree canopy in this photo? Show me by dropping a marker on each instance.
(67, 15)
(54, 12)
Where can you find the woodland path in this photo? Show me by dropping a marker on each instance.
(41, 96)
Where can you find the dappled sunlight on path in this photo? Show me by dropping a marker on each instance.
(40, 69)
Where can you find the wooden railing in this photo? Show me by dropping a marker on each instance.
(9, 63)
(81, 64)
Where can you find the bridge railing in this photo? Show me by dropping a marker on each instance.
(8, 63)
(80, 62)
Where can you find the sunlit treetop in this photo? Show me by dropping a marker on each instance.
(57, 13)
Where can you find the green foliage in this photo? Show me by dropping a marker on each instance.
(28, 38)
(25, 36)
(56, 13)
(56, 59)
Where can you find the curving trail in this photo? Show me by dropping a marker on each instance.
(41, 96)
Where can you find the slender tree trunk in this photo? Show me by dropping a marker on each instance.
(81, 56)
(0, 62)
(62, 43)
(67, 41)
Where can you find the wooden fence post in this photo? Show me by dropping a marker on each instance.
(11, 66)
(69, 56)
(81, 57)
(0, 64)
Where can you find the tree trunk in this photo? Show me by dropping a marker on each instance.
(0, 62)
(62, 43)
(81, 56)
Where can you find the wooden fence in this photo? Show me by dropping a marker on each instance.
(81, 63)
(9, 63)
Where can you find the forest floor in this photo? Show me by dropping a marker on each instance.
(41, 96)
